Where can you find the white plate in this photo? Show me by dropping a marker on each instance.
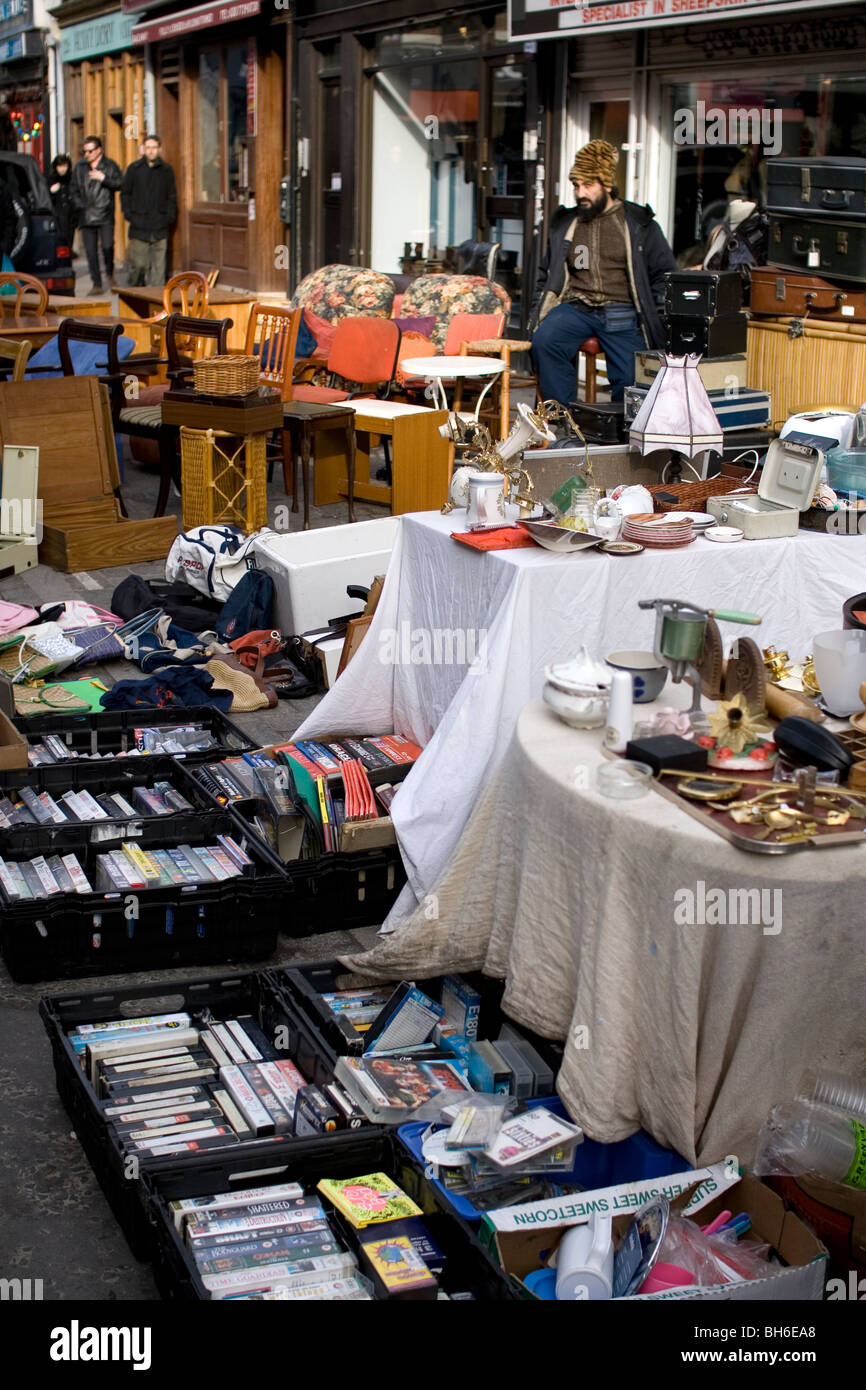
(725, 535)
(699, 518)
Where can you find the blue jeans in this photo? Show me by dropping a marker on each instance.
(558, 338)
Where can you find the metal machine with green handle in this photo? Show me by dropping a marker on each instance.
(680, 637)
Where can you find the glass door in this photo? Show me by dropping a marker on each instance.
(507, 171)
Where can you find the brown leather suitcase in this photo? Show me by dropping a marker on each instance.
(781, 292)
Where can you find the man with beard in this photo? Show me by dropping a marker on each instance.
(601, 277)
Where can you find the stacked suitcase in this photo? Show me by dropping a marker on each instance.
(818, 219)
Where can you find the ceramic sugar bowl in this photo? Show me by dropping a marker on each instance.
(578, 691)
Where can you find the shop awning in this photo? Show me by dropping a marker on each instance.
(174, 26)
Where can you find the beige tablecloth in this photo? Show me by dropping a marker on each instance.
(689, 1031)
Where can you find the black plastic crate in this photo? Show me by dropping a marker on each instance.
(71, 935)
(339, 890)
(113, 731)
(97, 777)
(469, 1268)
(331, 1036)
(225, 996)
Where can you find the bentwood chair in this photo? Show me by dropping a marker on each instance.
(31, 296)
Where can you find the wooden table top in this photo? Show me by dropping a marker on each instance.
(312, 410)
(27, 325)
(151, 295)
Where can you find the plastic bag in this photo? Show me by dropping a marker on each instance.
(713, 1260)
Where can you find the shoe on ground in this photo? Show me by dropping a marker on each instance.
(96, 289)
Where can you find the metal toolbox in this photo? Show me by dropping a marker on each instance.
(826, 245)
(823, 187)
(698, 294)
(717, 337)
(788, 481)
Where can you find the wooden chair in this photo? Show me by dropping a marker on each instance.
(191, 288)
(26, 286)
(272, 336)
(16, 352)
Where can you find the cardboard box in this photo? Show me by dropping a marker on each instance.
(517, 1242)
(13, 746)
(837, 1215)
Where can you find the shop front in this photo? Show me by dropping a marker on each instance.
(220, 74)
(103, 90)
(415, 136)
(23, 85)
(698, 103)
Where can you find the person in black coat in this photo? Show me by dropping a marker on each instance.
(95, 180)
(602, 277)
(60, 188)
(149, 201)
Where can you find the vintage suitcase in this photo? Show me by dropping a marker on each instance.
(736, 410)
(826, 245)
(776, 291)
(717, 373)
(698, 294)
(824, 187)
(718, 337)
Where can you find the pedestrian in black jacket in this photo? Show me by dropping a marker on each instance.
(149, 201)
(95, 180)
(602, 277)
(60, 188)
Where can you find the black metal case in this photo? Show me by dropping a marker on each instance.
(697, 294)
(823, 187)
(827, 246)
(718, 337)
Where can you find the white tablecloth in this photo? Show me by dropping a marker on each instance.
(691, 1030)
(520, 610)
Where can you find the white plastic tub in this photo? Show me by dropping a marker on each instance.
(311, 569)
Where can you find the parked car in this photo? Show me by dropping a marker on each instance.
(39, 247)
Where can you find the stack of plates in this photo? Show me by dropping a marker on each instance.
(663, 531)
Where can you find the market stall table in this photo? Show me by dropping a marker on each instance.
(460, 640)
(37, 328)
(596, 913)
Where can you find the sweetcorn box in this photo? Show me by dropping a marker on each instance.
(517, 1236)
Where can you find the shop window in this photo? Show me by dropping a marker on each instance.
(725, 130)
(425, 158)
(223, 150)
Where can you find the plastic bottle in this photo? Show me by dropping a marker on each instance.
(801, 1137)
(832, 1088)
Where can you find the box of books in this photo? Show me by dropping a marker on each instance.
(186, 1074)
(324, 807)
(333, 1224)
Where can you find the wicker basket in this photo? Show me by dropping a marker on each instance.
(692, 496)
(228, 374)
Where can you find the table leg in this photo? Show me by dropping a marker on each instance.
(306, 471)
(290, 462)
(166, 467)
(350, 464)
(481, 398)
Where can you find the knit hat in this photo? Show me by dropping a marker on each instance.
(597, 160)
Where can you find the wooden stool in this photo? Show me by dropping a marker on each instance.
(503, 349)
(301, 421)
(590, 349)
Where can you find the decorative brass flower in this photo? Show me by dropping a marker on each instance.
(734, 725)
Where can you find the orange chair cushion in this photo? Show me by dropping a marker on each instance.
(318, 394)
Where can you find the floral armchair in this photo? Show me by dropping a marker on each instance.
(441, 296)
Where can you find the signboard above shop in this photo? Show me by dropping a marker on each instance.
(174, 26)
(108, 34)
(547, 19)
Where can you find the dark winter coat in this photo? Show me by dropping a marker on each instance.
(649, 260)
(94, 201)
(65, 212)
(149, 199)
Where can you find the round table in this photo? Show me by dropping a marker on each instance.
(440, 369)
(692, 982)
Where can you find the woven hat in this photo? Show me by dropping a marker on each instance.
(597, 160)
(246, 694)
